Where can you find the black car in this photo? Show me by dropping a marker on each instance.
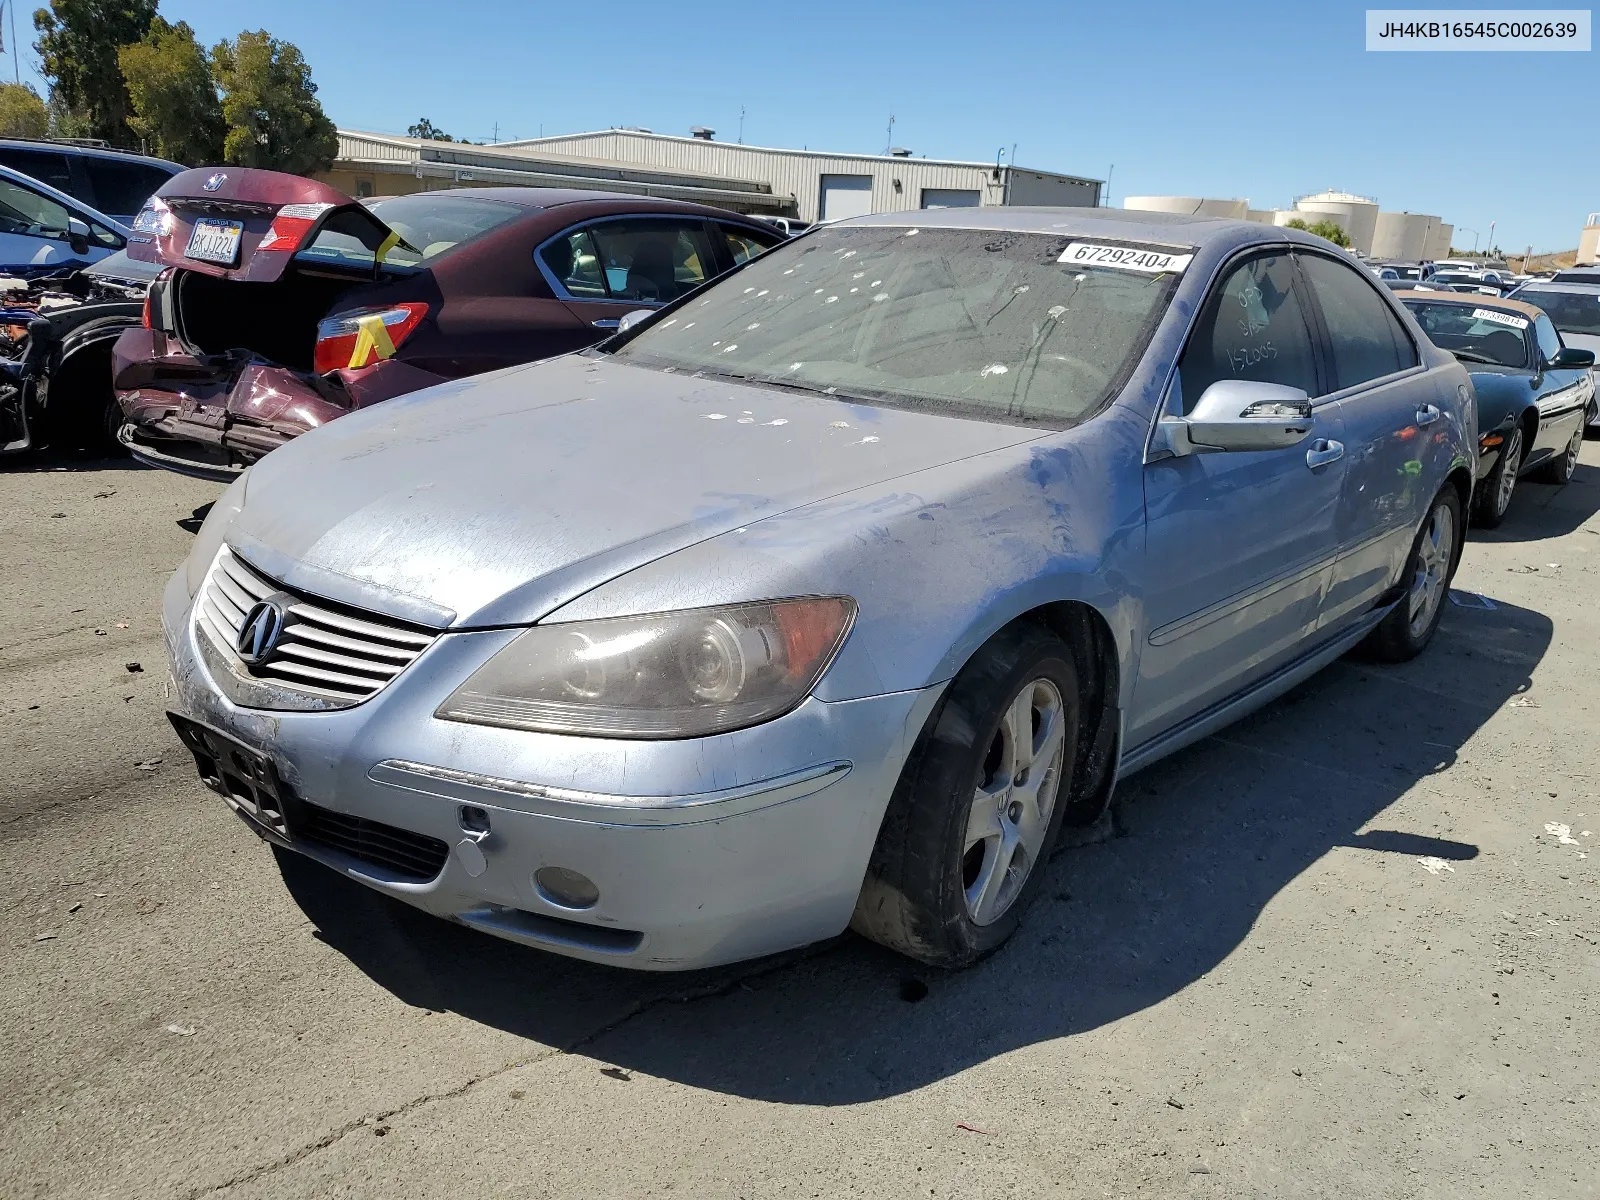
(115, 182)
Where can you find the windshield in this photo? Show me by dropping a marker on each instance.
(1474, 335)
(957, 321)
(1571, 312)
(433, 222)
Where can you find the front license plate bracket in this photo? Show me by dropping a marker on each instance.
(245, 778)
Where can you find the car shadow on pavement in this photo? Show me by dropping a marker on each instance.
(1542, 510)
(1199, 846)
(54, 460)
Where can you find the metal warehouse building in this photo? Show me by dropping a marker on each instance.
(825, 186)
(379, 164)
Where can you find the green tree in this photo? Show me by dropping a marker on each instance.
(78, 45)
(270, 106)
(175, 105)
(426, 129)
(1330, 230)
(22, 113)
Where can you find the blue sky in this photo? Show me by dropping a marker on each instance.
(1265, 101)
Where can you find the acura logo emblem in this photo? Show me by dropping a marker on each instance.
(263, 626)
(215, 181)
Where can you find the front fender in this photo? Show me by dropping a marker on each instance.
(1501, 399)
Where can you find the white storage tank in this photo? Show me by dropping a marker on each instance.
(1190, 206)
(1356, 215)
(1405, 236)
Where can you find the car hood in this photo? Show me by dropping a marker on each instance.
(495, 500)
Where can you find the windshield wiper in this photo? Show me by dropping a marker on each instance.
(1473, 356)
(833, 393)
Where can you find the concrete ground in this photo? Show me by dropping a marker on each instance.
(1350, 947)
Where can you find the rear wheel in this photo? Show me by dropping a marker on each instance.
(1408, 628)
(978, 806)
(1494, 497)
(1560, 468)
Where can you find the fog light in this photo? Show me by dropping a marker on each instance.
(569, 889)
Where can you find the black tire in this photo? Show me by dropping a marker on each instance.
(918, 894)
(1492, 498)
(82, 414)
(1405, 632)
(1591, 419)
(1560, 468)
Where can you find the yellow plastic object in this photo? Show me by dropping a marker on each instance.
(373, 338)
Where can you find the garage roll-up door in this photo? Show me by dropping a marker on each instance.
(846, 196)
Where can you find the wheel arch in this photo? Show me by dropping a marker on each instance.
(1100, 662)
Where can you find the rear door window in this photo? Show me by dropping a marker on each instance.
(47, 166)
(1363, 336)
(121, 188)
(1253, 326)
(651, 260)
(744, 245)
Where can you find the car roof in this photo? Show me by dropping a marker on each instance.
(1579, 286)
(1468, 300)
(535, 198)
(1126, 224)
(89, 151)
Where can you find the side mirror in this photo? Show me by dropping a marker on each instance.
(1571, 359)
(78, 235)
(1239, 414)
(629, 320)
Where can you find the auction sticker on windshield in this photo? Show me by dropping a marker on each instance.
(1153, 262)
(1500, 318)
(215, 241)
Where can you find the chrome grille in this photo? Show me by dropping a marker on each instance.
(322, 651)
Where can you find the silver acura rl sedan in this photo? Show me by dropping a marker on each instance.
(824, 595)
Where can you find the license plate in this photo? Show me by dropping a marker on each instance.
(215, 241)
(244, 777)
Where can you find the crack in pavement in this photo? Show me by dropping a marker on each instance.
(708, 991)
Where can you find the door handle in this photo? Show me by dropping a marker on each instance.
(1323, 452)
(1427, 415)
(606, 323)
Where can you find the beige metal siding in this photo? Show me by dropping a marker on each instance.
(799, 173)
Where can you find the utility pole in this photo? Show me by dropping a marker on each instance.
(1112, 170)
(741, 125)
(497, 131)
(1490, 246)
(16, 58)
(888, 144)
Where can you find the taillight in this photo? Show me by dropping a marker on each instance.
(362, 336)
(144, 317)
(290, 226)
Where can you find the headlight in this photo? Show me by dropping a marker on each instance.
(667, 675)
(212, 530)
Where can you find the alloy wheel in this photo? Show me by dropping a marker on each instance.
(1013, 801)
(1510, 463)
(1574, 447)
(1435, 553)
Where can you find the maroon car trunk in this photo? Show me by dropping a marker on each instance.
(223, 369)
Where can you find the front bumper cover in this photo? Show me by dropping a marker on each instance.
(703, 851)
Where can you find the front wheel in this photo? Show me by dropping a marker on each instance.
(1408, 628)
(975, 814)
(1494, 497)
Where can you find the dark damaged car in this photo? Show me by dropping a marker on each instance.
(286, 304)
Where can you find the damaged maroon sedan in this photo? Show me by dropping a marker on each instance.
(287, 304)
